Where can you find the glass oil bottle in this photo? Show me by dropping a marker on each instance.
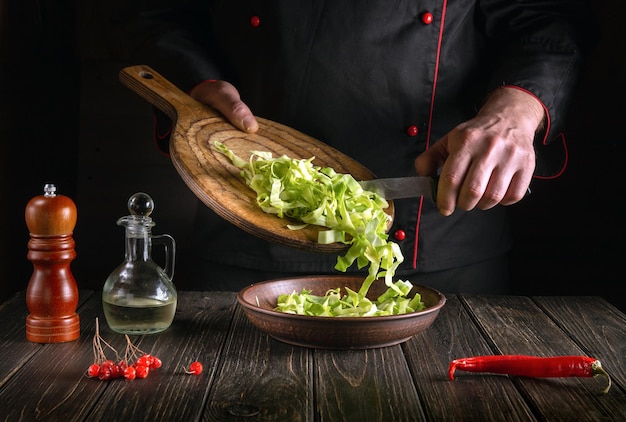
(139, 296)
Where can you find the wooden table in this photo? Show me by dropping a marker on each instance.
(250, 376)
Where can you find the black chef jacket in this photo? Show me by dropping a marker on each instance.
(380, 81)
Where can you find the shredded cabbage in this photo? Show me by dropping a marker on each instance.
(309, 194)
(394, 301)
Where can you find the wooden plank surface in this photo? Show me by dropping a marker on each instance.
(16, 350)
(598, 327)
(198, 332)
(454, 335)
(600, 330)
(250, 376)
(52, 385)
(365, 385)
(260, 378)
(516, 325)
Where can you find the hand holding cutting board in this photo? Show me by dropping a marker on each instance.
(210, 175)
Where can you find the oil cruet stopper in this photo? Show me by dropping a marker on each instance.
(52, 294)
(138, 296)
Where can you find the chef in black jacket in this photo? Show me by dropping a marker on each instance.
(475, 90)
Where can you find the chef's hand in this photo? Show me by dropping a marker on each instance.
(225, 98)
(489, 159)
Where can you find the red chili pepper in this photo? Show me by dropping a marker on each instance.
(532, 366)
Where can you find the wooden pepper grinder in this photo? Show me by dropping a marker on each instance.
(52, 294)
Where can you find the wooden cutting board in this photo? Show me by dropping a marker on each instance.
(211, 176)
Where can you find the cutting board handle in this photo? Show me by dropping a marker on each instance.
(162, 94)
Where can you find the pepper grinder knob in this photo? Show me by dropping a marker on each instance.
(52, 294)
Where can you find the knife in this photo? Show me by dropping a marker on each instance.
(403, 187)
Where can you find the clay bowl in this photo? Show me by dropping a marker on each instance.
(258, 301)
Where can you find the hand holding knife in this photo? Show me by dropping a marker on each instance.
(405, 187)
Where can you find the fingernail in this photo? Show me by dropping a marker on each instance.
(445, 212)
(248, 123)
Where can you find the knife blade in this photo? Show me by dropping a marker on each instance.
(403, 187)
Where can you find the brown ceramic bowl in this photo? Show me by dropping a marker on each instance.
(258, 301)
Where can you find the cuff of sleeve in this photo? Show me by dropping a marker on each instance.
(550, 149)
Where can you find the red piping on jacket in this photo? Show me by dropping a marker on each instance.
(560, 136)
(159, 137)
(430, 120)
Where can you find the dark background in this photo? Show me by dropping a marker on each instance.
(66, 119)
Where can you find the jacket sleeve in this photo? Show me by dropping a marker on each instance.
(175, 42)
(540, 46)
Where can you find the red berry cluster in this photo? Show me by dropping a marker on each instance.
(108, 369)
(135, 364)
